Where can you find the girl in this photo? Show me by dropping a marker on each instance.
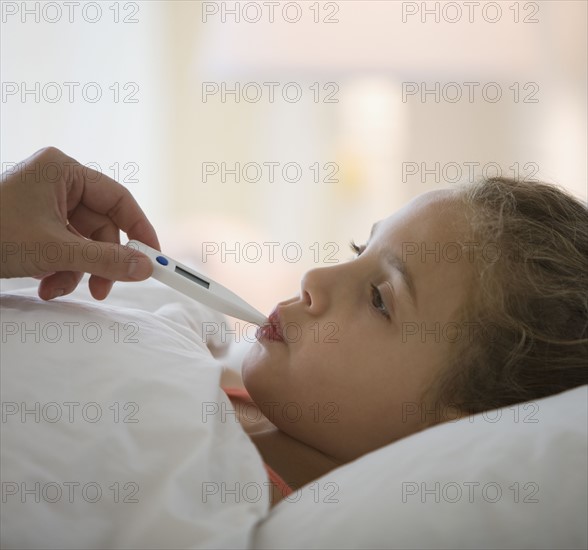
(463, 301)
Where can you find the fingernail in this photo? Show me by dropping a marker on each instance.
(57, 293)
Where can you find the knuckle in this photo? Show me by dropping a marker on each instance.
(51, 152)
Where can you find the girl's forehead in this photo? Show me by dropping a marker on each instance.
(435, 210)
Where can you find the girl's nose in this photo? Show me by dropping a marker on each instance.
(317, 287)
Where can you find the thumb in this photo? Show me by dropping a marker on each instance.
(110, 261)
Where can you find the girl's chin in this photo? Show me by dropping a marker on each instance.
(261, 367)
(252, 362)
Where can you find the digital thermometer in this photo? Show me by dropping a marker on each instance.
(195, 285)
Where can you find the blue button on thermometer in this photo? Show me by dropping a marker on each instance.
(162, 260)
(197, 286)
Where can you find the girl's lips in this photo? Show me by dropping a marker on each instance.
(272, 330)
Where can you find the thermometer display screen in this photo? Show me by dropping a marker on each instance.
(192, 277)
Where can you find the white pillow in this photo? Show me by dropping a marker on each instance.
(136, 389)
(379, 500)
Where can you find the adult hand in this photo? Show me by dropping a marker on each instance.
(60, 219)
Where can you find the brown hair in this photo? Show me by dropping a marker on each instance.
(529, 297)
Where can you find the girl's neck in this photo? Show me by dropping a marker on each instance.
(295, 462)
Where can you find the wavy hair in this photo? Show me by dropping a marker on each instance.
(529, 297)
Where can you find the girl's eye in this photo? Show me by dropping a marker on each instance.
(378, 303)
(356, 249)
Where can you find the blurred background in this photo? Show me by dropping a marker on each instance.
(260, 137)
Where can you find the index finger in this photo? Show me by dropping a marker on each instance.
(103, 195)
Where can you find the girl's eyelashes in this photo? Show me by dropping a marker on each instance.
(377, 300)
(378, 303)
(356, 249)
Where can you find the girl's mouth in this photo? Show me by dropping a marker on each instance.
(272, 330)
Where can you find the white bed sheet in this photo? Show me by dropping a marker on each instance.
(136, 388)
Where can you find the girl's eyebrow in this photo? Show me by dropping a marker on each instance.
(396, 263)
(393, 260)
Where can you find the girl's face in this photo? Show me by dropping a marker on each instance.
(365, 338)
